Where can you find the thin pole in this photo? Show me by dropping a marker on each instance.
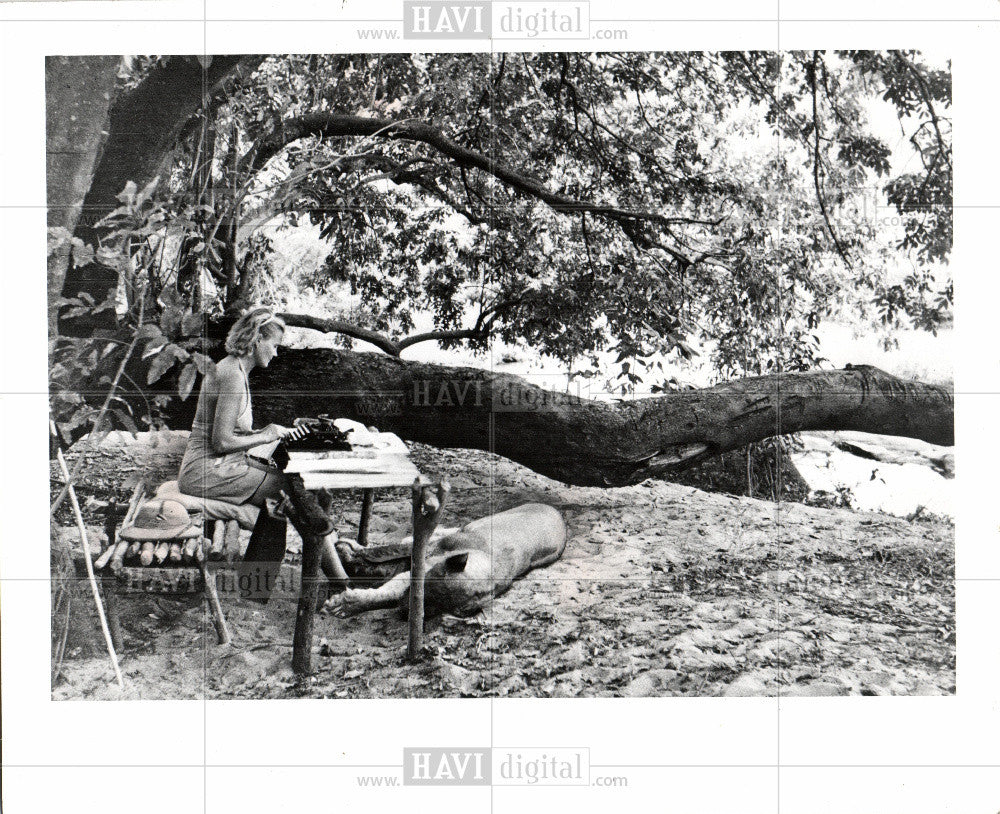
(87, 557)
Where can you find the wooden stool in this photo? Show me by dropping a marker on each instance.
(174, 569)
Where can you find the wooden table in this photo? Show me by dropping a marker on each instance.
(382, 463)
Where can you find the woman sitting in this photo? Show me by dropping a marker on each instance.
(218, 462)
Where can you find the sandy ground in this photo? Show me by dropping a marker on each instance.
(663, 590)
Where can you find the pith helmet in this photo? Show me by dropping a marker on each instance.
(161, 520)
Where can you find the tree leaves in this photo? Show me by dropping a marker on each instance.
(720, 145)
(187, 379)
(203, 363)
(868, 152)
(192, 323)
(164, 360)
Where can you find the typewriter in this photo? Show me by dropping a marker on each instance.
(323, 436)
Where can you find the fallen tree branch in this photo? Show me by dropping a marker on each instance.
(582, 441)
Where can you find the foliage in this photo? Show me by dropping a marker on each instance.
(134, 239)
(725, 199)
(767, 227)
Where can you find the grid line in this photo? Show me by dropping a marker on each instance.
(674, 20)
(777, 705)
(592, 765)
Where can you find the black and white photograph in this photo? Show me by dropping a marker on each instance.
(534, 373)
(499, 405)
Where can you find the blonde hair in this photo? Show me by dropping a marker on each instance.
(249, 328)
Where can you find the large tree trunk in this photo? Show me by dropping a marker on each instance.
(78, 93)
(144, 126)
(584, 442)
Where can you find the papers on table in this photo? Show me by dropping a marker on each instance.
(382, 461)
(360, 435)
(390, 470)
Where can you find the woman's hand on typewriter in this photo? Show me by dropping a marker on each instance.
(278, 433)
(298, 432)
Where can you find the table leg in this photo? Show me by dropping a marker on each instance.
(367, 499)
(212, 594)
(427, 505)
(308, 598)
(312, 547)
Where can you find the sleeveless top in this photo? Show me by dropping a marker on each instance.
(207, 474)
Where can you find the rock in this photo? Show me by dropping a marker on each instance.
(746, 686)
